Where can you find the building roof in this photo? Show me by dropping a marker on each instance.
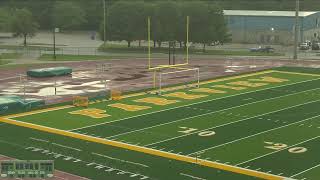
(267, 13)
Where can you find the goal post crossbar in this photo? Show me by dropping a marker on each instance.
(183, 70)
(179, 70)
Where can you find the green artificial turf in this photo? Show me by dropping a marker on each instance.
(236, 128)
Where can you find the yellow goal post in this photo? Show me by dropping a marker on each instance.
(157, 67)
(161, 80)
(81, 101)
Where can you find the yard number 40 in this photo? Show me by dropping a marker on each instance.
(187, 130)
(280, 146)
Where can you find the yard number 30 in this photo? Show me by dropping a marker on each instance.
(280, 146)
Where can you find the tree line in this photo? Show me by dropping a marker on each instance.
(24, 21)
(92, 11)
(127, 21)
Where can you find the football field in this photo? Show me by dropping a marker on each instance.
(263, 125)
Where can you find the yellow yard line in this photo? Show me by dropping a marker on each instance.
(145, 150)
(37, 111)
(297, 73)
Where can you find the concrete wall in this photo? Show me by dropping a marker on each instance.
(262, 37)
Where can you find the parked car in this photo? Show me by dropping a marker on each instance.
(266, 49)
(304, 46)
(315, 46)
(308, 42)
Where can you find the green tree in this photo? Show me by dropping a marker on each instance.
(166, 21)
(126, 21)
(217, 25)
(23, 24)
(4, 19)
(199, 22)
(68, 15)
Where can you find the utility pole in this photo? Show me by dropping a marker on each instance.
(54, 44)
(104, 22)
(296, 31)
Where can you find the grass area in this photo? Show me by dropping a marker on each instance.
(13, 66)
(49, 57)
(249, 121)
(4, 62)
(28, 47)
(135, 49)
(45, 44)
(10, 55)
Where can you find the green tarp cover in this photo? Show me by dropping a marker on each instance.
(49, 72)
(15, 104)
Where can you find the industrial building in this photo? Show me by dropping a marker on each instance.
(271, 27)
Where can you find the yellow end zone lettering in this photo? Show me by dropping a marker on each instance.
(230, 87)
(128, 107)
(156, 101)
(184, 95)
(208, 90)
(270, 79)
(93, 113)
(247, 84)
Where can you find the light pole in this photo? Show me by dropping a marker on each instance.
(55, 30)
(296, 31)
(54, 44)
(104, 22)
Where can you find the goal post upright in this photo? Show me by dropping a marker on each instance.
(158, 70)
(149, 42)
(188, 26)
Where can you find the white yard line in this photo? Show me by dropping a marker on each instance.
(263, 132)
(37, 139)
(278, 150)
(73, 175)
(190, 176)
(233, 122)
(68, 147)
(213, 112)
(254, 135)
(314, 167)
(129, 162)
(247, 92)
